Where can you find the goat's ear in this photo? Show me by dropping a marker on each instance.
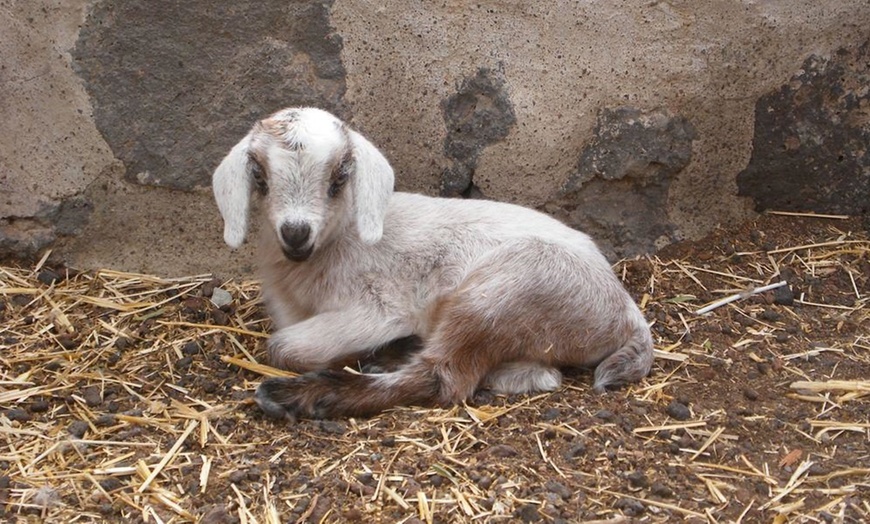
(231, 184)
(373, 184)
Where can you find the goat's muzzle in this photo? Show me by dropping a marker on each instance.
(295, 241)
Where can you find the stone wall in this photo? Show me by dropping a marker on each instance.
(639, 122)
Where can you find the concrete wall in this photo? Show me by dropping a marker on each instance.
(640, 122)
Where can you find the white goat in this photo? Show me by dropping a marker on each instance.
(501, 296)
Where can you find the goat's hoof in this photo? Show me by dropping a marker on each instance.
(266, 395)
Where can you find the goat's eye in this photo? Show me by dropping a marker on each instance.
(259, 177)
(338, 182)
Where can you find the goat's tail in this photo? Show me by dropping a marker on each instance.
(333, 394)
(630, 363)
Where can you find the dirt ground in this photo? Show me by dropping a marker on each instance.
(126, 398)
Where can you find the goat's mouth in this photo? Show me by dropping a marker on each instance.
(298, 255)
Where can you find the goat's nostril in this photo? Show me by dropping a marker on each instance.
(295, 235)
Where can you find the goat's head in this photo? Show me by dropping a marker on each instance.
(319, 177)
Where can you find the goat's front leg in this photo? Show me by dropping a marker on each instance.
(315, 343)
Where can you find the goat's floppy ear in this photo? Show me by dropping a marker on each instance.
(231, 184)
(373, 184)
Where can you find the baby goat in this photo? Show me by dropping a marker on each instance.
(501, 296)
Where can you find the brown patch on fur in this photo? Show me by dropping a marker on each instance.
(462, 349)
(276, 127)
(389, 357)
(332, 394)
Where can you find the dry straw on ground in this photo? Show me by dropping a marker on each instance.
(126, 397)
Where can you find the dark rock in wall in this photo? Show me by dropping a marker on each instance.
(619, 191)
(175, 84)
(480, 113)
(25, 237)
(810, 149)
(71, 216)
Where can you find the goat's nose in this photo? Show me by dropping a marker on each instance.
(295, 235)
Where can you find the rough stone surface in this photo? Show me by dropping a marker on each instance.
(811, 148)
(619, 193)
(176, 84)
(478, 114)
(116, 112)
(50, 149)
(647, 147)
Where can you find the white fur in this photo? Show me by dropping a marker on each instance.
(385, 265)
(373, 185)
(231, 184)
(521, 377)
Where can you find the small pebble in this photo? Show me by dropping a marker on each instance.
(92, 396)
(21, 300)
(191, 348)
(605, 414)
(39, 406)
(501, 451)
(105, 420)
(54, 365)
(661, 490)
(630, 507)
(750, 393)
(238, 476)
(111, 484)
(78, 428)
(770, 315)
(678, 411)
(577, 450)
(209, 287)
(48, 277)
(783, 296)
(529, 513)
(254, 474)
(220, 318)
(17, 414)
(334, 427)
(559, 489)
(221, 297)
(67, 341)
(551, 414)
(217, 514)
(638, 479)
